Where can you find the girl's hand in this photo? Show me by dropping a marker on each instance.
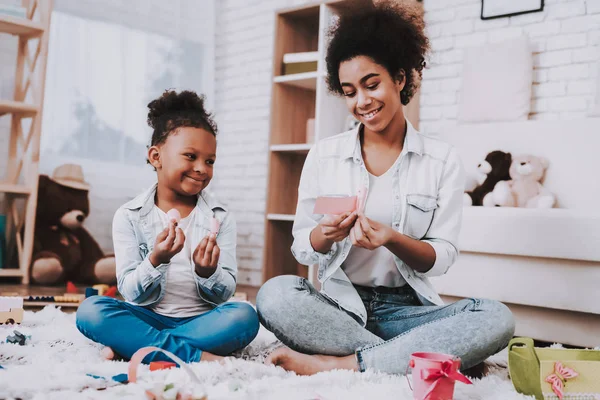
(370, 234)
(206, 256)
(168, 243)
(337, 227)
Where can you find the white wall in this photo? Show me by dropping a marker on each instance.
(566, 43)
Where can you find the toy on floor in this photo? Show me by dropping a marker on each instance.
(158, 365)
(160, 391)
(17, 338)
(64, 250)
(71, 288)
(525, 188)
(11, 310)
(493, 169)
(434, 375)
(66, 298)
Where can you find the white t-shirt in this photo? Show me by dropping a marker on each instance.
(375, 267)
(181, 297)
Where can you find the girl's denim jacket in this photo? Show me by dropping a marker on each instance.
(139, 282)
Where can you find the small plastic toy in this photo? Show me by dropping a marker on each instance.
(174, 215)
(361, 200)
(11, 310)
(71, 288)
(158, 365)
(215, 225)
(101, 289)
(111, 292)
(17, 338)
(89, 292)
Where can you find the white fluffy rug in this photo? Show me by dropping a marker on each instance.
(55, 362)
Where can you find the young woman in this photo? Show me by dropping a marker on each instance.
(376, 306)
(175, 275)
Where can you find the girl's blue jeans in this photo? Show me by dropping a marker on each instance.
(126, 328)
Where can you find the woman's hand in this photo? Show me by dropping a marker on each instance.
(337, 227)
(168, 243)
(206, 256)
(370, 234)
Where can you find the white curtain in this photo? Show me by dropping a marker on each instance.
(101, 74)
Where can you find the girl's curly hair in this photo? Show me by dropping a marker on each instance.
(391, 35)
(173, 110)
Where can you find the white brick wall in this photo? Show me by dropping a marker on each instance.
(244, 48)
(566, 43)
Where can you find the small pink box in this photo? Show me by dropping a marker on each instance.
(334, 205)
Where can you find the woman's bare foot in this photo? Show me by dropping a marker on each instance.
(304, 364)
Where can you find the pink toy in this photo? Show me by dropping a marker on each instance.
(192, 390)
(173, 215)
(434, 375)
(334, 205)
(214, 226)
(361, 199)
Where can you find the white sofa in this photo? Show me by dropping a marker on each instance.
(544, 264)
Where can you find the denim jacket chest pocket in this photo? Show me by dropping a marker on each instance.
(419, 214)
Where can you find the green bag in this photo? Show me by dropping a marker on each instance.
(530, 367)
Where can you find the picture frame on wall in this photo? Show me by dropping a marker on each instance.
(491, 9)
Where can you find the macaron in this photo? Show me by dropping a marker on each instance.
(214, 225)
(174, 215)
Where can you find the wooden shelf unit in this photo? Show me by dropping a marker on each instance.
(19, 186)
(295, 99)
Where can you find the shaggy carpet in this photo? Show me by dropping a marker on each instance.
(56, 363)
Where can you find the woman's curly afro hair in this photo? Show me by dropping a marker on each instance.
(391, 35)
(174, 110)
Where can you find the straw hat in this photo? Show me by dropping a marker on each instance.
(70, 175)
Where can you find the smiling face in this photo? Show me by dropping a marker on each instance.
(372, 95)
(184, 162)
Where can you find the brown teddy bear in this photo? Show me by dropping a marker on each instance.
(525, 188)
(492, 170)
(63, 248)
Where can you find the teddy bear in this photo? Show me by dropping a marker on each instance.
(492, 170)
(63, 249)
(525, 188)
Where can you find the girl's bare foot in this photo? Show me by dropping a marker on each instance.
(304, 364)
(108, 353)
(206, 356)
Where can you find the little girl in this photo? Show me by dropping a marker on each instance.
(175, 274)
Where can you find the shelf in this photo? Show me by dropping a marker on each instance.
(17, 107)
(14, 189)
(281, 217)
(20, 26)
(300, 148)
(11, 272)
(306, 80)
